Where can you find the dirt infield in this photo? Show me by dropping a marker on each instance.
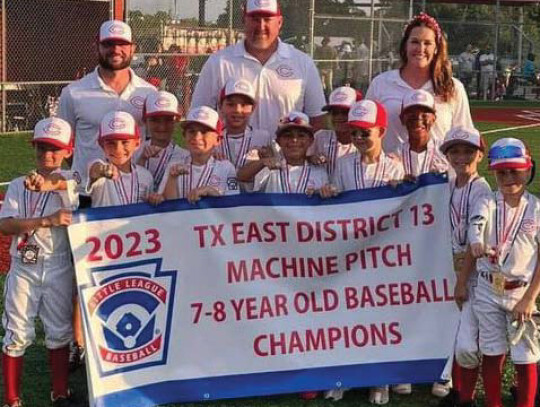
(507, 115)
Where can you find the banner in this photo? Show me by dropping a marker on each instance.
(263, 294)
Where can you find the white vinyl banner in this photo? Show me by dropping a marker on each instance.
(264, 294)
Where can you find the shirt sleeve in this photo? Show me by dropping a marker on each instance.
(478, 223)
(314, 99)
(462, 112)
(66, 110)
(10, 207)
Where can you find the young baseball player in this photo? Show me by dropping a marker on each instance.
(368, 166)
(160, 116)
(464, 149)
(420, 154)
(292, 173)
(505, 240)
(332, 144)
(240, 142)
(118, 180)
(200, 174)
(40, 280)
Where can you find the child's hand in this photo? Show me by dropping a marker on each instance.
(272, 163)
(34, 181)
(318, 159)
(178, 169)
(109, 171)
(477, 250)
(61, 217)
(524, 309)
(155, 199)
(328, 191)
(265, 152)
(409, 178)
(196, 194)
(150, 151)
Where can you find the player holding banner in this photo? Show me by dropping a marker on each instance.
(506, 243)
(464, 149)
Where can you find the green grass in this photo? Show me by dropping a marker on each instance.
(16, 158)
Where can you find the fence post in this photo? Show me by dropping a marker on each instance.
(311, 32)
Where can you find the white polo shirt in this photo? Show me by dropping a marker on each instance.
(523, 252)
(129, 188)
(158, 164)
(327, 144)
(219, 174)
(389, 89)
(351, 173)
(20, 203)
(464, 206)
(288, 81)
(84, 103)
(291, 179)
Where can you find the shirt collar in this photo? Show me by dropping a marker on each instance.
(98, 82)
(395, 77)
(283, 50)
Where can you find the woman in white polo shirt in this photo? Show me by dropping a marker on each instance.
(424, 65)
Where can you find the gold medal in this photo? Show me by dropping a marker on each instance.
(459, 259)
(498, 283)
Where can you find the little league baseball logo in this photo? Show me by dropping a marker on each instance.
(128, 318)
(285, 71)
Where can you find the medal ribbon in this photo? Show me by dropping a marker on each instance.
(285, 179)
(408, 164)
(241, 156)
(121, 191)
(359, 176)
(187, 179)
(506, 235)
(459, 217)
(159, 170)
(31, 210)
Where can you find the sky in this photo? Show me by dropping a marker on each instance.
(185, 8)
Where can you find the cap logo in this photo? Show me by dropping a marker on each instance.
(461, 136)
(419, 97)
(285, 71)
(241, 86)
(201, 115)
(137, 101)
(52, 129)
(117, 124)
(340, 97)
(116, 29)
(360, 111)
(163, 102)
(261, 3)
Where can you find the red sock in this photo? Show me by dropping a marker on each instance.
(469, 378)
(526, 384)
(456, 376)
(492, 367)
(59, 364)
(12, 373)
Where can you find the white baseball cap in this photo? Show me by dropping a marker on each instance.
(342, 98)
(161, 104)
(204, 115)
(418, 97)
(53, 131)
(237, 87)
(115, 30)
(367, 114)
(296, 120)
(262, 7)
(118, 126)
(509, 153)
(462, 135)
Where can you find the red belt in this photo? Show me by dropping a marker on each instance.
(508, 285)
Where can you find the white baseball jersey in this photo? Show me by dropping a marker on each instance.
(429, 160)
(43, 289)
(158, 164)
(130, 188)
(84, 103)
(291, 179)
(351, 173)
(389, 89)
(288, 81)
(219, 174)
(327, 144)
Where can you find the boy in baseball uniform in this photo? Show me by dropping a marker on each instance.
(40, 280)
(504, 238)
(160, 116)
(241, 143)
(290, 172)
(199, 174)
(330, 145)
(420, 154)
(464, 149)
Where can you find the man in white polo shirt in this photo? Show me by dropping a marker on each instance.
(284, 78)
(112, 86)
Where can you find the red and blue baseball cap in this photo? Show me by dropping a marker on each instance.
(53, 131)
(509, 153)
